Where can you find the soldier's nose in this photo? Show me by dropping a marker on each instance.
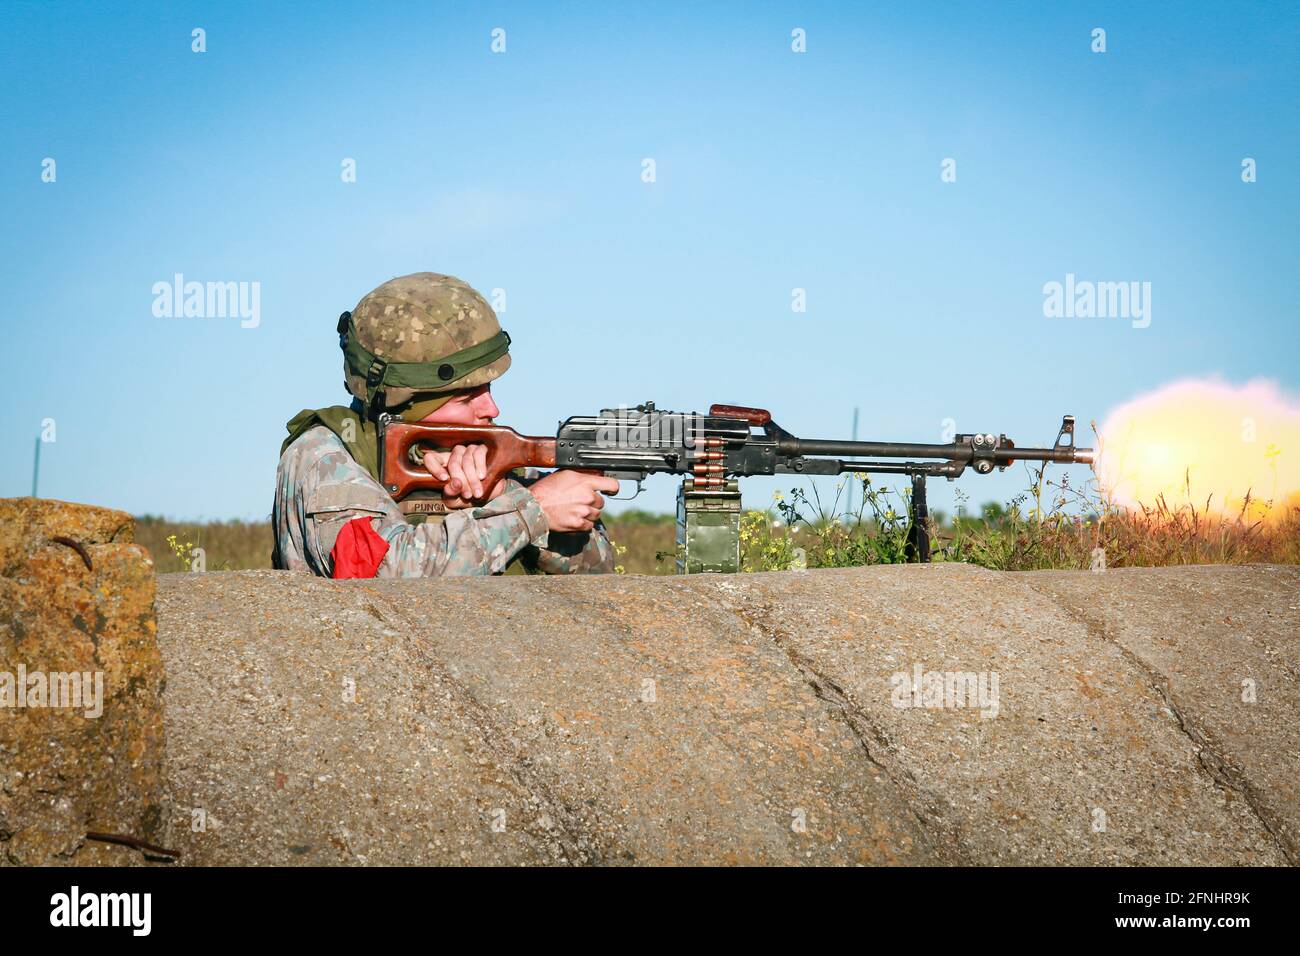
(488, 408)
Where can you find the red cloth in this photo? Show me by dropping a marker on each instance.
(358, 550)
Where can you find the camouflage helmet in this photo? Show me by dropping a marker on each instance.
(420, 333)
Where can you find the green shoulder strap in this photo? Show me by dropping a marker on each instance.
(359, 435)
(346, 424)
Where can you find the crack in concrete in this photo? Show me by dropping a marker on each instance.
(874, 743)
(1216, 765)
(578, 847)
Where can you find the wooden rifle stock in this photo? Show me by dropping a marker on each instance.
(507, 450)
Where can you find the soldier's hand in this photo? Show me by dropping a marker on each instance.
(571, 500)
(462, 471)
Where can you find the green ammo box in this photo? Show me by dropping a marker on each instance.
(708, 528)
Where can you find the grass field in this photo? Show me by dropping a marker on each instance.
(241, 545)
(1046, 527)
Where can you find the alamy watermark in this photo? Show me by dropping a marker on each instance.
(209, 300)
(946, 690)
(633, 428)
(72, 690)
(75, 908)
(1074, 299)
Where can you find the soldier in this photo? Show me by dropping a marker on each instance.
(425, 347)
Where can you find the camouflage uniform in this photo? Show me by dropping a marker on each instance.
(319, 488)
(424, 320)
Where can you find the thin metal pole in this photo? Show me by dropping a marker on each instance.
(36, 466)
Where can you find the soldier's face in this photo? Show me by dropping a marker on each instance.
(474, 407)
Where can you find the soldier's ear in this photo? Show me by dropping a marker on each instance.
(343, 322)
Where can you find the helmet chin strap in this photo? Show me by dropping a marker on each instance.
(419, 408)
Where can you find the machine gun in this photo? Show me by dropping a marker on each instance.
(712, 452)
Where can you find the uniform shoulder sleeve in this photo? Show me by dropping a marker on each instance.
(319, 489)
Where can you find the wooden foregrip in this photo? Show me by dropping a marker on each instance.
(507, 450)
(755, 416)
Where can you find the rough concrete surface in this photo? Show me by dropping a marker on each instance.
(1204, 646)
(734, 719)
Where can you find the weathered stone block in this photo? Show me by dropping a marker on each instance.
(81, 732)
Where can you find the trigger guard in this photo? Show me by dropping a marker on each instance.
(639, 489)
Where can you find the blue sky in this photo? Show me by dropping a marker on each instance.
(522, 171)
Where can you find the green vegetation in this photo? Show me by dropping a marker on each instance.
(227, 545)
(1050, 525)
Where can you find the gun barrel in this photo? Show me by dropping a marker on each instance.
(1066, 454)
(960, 451)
